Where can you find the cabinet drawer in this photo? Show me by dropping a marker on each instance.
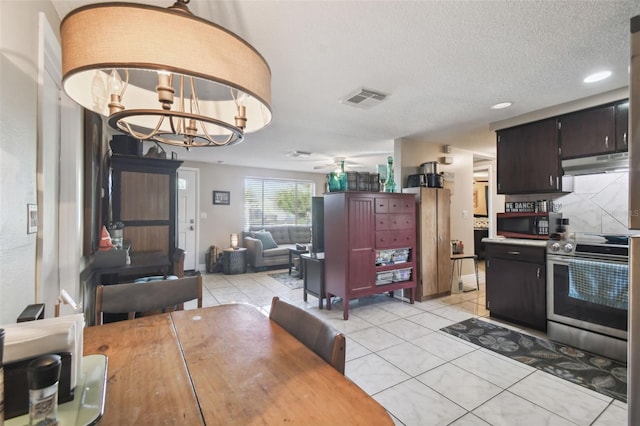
(394, 221)
(395, 205)
(516, 252)
(382, 205)
(391, 239)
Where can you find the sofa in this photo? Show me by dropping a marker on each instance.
(269, 245)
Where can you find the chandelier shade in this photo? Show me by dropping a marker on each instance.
(165, 75)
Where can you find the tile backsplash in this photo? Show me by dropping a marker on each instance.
(599, 203)
(480, 222)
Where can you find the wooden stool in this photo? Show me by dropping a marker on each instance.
(457, 259)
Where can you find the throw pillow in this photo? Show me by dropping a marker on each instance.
(267, 240)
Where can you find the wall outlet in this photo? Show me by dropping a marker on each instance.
(203, 215)
(465, 214)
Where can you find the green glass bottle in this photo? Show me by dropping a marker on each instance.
(343, 177)
(390, 185)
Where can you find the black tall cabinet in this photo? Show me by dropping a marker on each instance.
(144, 198)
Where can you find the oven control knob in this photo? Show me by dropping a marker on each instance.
(568, 247)
(555, 247)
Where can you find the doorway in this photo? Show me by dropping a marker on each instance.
(486, 200)
(188, 222)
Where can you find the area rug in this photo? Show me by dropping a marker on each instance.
(290, 281)
(603, 375)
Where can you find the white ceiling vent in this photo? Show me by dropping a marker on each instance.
(364, 98)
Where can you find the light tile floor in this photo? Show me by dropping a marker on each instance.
(422, 376)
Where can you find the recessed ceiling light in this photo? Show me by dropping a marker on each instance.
(502, 105)
(597, 76)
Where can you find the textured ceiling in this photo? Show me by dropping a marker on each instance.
(444, 63)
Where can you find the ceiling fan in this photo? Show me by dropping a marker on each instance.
(336, 164)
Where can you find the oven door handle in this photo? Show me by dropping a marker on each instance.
(513, 252)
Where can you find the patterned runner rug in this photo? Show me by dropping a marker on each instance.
(609, 377)
(292, 282)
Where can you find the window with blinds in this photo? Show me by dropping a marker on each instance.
(269, 201)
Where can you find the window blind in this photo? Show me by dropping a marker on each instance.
(269, 201)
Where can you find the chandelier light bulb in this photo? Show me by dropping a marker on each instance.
(116, 90)
(164, 89)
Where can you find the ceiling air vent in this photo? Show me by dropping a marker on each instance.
(364, 98)
(299, 154)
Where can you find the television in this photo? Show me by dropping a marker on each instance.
(317, 225)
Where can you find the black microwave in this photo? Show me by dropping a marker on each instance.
(528, 225)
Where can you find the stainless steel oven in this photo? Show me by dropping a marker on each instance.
(590, 319)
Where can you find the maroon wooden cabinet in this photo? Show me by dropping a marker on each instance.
(370, 243)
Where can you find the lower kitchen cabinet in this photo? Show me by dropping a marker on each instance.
(516, 284)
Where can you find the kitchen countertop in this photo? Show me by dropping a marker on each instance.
(515, 241)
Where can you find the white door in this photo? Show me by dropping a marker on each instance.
(47, 246)
(187, 216)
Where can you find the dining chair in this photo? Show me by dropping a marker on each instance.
(315, 334)
(147, 297)
(178, 262)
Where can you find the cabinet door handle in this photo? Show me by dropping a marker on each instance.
(515, 253)
(624, 138)
(550, 180)
(606, 141)
(538, 273)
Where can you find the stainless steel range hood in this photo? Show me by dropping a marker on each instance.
(607, 163)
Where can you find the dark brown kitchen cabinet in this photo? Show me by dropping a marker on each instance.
(370, 243)
(588, 132)
(144, 198)
(516, 284)
(528, 158)
(622, 126)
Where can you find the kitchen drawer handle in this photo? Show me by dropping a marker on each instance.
(513, 252)
(606, 141)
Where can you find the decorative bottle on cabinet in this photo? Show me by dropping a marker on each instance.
(343, 177)
(390, 185)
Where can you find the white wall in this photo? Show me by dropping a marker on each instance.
(217, 222)
(18, 149)
(416, 152)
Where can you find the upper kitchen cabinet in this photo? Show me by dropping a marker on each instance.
(588, 132)
(622, 126)
(528, 158)
(600, 130)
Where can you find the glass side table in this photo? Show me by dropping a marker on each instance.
(234, 261)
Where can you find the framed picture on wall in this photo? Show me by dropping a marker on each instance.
(221, 197)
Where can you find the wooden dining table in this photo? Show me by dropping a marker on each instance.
(221, 365)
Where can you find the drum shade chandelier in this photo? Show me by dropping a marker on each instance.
(164, 75)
